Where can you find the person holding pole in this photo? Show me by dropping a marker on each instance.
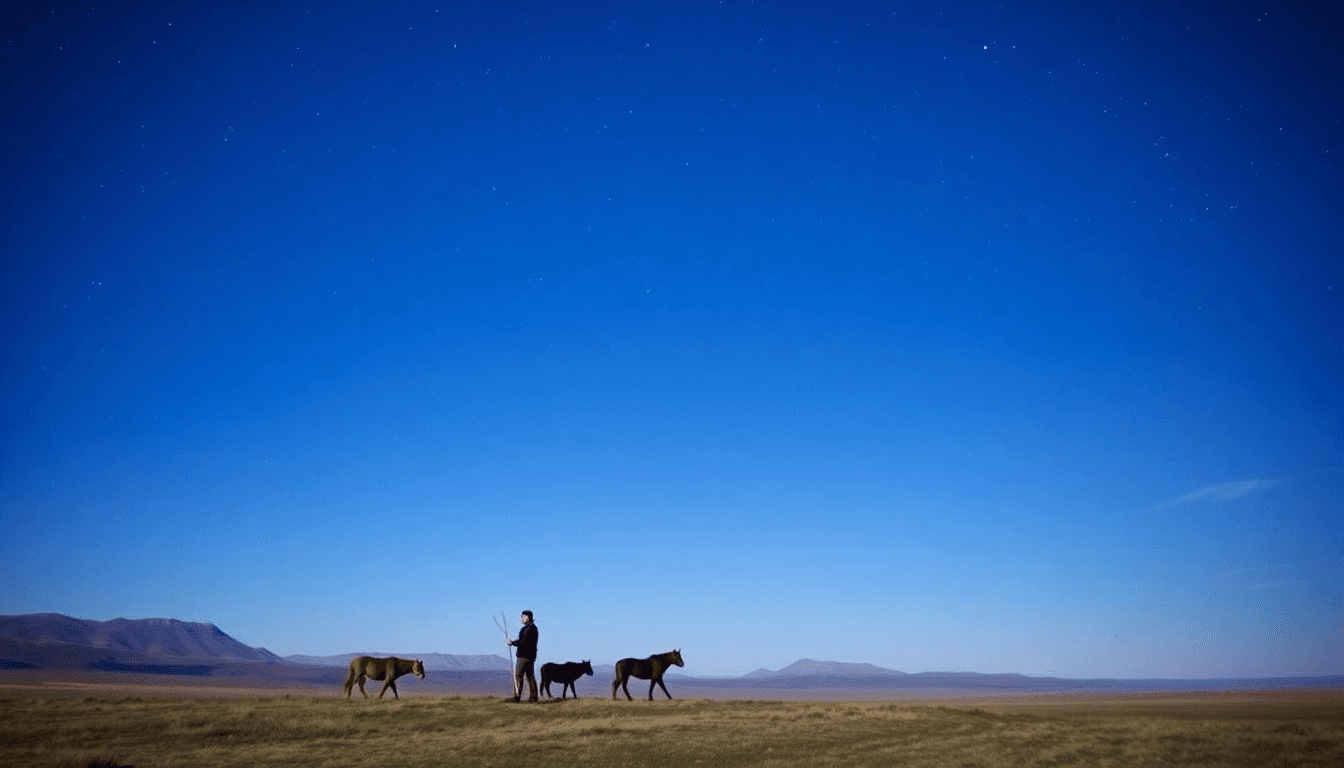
(526, 644)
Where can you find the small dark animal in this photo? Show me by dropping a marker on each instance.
(388, 669)
(651, 668)
(565, 674)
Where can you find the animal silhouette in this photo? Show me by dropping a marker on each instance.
(651, 668)
(565, 674)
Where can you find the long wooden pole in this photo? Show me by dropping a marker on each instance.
(513, 677)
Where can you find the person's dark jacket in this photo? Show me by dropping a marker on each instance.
(527, 641)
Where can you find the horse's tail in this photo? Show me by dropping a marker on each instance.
(349, 681)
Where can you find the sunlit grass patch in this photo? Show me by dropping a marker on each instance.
(483, 731)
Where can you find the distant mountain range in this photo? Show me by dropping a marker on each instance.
(812, 674)
(155, 637)
(441, 662)
(830, 668)
(54, 640)
(169, 646)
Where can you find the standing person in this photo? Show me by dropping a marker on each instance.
(527, 658)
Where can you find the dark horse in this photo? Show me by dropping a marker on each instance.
(565, 674)
(651, 668)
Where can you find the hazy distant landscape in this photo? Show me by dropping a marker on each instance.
(155, 648)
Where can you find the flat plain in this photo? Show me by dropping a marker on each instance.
(61, 724)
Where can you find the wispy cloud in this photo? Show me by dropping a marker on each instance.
(1275, 568)
(1219, 492)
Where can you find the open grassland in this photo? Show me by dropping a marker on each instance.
(60, 732)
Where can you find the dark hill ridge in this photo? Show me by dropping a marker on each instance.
(153, 637)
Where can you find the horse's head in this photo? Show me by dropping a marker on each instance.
(676, 658)
(587, 668)
(418, 669)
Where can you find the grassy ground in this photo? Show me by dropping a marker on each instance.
(60, 732)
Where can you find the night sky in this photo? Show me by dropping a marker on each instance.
(1004, 337)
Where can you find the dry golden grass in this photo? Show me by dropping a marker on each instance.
(59, 732)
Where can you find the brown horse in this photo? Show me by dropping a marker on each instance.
(651, 668)
(388, 669)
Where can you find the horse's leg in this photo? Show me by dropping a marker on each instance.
(391, 683)
(661, 684)
(615, 684)
(349, 683)
(624, 682)
(362, 692)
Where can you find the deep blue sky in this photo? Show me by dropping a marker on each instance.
(958, 336)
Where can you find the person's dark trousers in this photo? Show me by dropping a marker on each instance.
(525, 669)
